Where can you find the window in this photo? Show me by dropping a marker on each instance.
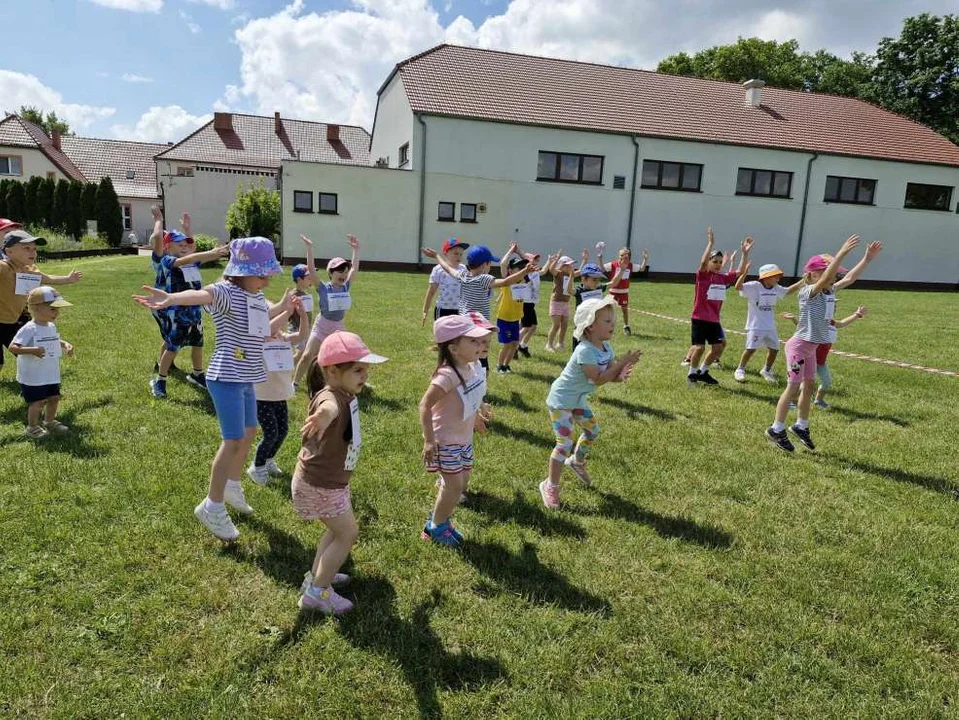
(849, 190)
(663, 175)
(11, 165)
(131, 174)
(569, 168)
(184, 171)
(127, 211)
(468, 212)
(446, 212)
(764, 183)
(404, 154)
(302, 201)
(328, 204)
(928, 197)
(51, 175)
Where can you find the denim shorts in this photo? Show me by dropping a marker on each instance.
(235, 405)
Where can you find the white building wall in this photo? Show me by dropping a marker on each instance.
(141, 216)
(33, 162)
(393, 125)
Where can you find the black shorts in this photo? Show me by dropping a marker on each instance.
(439, 312)
(36, 393)
(529, 315)
(177, 334)
(704, 331)
(8, 331)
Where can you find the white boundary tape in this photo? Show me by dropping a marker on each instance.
(840, 353)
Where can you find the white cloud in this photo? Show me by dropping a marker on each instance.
(134, 78)
(218, 4)
(17, 89)
(132, 5)
(188, 19)
(161, 124)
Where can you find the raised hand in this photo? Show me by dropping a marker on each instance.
(429, 252)
(306, 241)
(746, 245)
(585, 255)
(849, 245)
(873, 249)
(155, 211)
(353, 241)
(710, 237)
(74, 276)
(861, 310)
(645, 256)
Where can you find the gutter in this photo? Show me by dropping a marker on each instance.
(419, 238)
(632, 195)
(802, 216)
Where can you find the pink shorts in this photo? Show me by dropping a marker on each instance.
(312, 503)
(558, 307)
(800, 360)
(323, 328)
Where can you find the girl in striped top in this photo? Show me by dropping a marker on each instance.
(241, 315)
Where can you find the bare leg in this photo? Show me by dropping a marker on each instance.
(33, 413)
(344, 532)
(715, 352)
(50, 411)
(563, 324)
(196, 355)
(771, 356)
(224, 462)
(447, 497)
(745, 358)
(553, 330)
(309, 353)
(527, 334)
(695, 354)
(555, 470)
(625, 309)
(805, 399)
(789, 395)
(166, 360)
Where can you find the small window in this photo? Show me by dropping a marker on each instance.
(468, 212)
(51, 175)
(131, 174)
(404, 154)
(928, 197)
(302, 201)
(446, 212)
(570, 168)
(11, 165)
(661, 175)
(328, 204)
(182, 171)
(127, 211)
(849, 190)
(764, 183)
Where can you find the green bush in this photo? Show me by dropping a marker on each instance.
(59, 242)
(204, 242)
(256, 211)
(92, 242)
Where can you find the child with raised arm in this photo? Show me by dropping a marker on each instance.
(335, 300)
(529, 321)
(331, 446)
(710, 292)
(591, 364)
(509, 311)
(304, 278)
(563, 276)
(177, 268)
(443, 286)
(241, 316)
(626, 270)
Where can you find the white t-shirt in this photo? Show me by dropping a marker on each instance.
(761, 314)
(448, 293)
(33, 370)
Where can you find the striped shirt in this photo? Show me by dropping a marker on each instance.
(475, 293)
(237, 356)
(815, 315)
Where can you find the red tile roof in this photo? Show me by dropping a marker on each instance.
(115, 159)
(254, 142)
(17, 132)
(506, 87)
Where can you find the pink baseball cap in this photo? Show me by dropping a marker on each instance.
(335, 263)
(9, 225)
(820, 262)
(344, 347)
(478, 319)
(532, 257)
(451, 327)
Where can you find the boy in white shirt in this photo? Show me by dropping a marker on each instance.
(38, 348)
(762, 294)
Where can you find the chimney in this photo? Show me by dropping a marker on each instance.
(222, 121)
(332, 133)
(754, 92)
(277, 124)
(56, 139)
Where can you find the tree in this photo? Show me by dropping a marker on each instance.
(4, 188)
(256, 211)
(45, 202)
(61, 206)
(48, 122)
(75, 220)
(32, 212)
(109, 217)
(17, 202)
(88, 202)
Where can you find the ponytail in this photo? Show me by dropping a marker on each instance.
(445, 357)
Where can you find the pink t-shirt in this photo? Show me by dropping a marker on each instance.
(710, 293)
(449, 427)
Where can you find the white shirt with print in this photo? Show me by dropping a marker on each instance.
(33, 370)
(761, 314)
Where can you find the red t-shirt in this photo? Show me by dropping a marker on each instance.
(710, 293)
(622, 285)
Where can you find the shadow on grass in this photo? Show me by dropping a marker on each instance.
(287, 559)
(73, 442)
(849, 413)
(930, 482)
(192, 398)
(522, 511)
(515, 401)
(537, 440)
(530, 375)
(376, 626)
(733, 388)
(634, 409)
(523, 574)
(667, 526)
(370, 398)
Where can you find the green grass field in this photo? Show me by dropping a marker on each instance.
(705, 574)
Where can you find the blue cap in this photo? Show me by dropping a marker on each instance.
(477, 255)
(592, 270)
(300, 271)
(174, 236)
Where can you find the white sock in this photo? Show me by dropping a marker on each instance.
(742, 367)
(233, 484)
(211, 506)
(703, 368)
(803, 423)
(779, 427)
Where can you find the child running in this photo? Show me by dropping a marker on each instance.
(38, 347)
(241, 317)
(450, 410)
(626, 269)
(335, 300)
(443, 286)
(710, 292)
(331, 446)
(592, 364)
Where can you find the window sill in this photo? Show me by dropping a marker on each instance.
(303, 211)
(439, 219)
(327, 212)
(849, 202)
(762, 195)
(570, 182)
(669, 189)
(402, 165)
(467, 221)
(947, 210)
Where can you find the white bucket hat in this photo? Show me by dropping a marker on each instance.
(586, 313)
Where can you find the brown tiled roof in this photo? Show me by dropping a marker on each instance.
(254, 142)
(17, 132)
(505, 87)
(98, 158)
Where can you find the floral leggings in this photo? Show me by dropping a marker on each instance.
(563, 422)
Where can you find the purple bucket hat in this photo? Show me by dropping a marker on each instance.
(252, 257)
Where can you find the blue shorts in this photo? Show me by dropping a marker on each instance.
(235, 405)
(508, 331)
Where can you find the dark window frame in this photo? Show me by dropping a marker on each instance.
(300, 193)
(772, 183)
(319, 203)
(682, 172)
(859, 182)
(475, 212)
(404, 155)
(905, 202)
(452, 217)
(579, 173)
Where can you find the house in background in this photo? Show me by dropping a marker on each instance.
(26, 150)
(201, 173)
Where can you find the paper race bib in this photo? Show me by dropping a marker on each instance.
(353, 451)
(51, 347)
(590, 294)
(625, 274)
(337, 301)
(566, 279)
(257, 317)
(306, 301)
(472, 395)
(278, 355)
(716, 292)
(27, 282)
(521, 291)
(191, 273)
(830, 306)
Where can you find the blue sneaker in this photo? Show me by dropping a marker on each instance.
(426, 529)
(158, 388)
(442, 534)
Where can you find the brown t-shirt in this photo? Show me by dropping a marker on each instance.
(558, 294)
(322, 461)
(11, 304)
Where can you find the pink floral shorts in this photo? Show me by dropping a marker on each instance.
(313, 503)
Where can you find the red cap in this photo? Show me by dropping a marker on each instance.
(453, 242)
(9, 225)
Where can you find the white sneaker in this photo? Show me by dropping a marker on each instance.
(259, 475)
(684, 363)
(739, 375)
(768, 376)
(218, 523)
(234, 497)
(272, 468)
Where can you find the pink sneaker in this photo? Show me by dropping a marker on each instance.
(327, 601)
(550, 494)
(579, 470)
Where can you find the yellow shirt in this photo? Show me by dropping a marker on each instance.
(507, 308)
(11, 304)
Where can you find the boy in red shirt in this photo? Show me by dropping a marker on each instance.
(620, 289)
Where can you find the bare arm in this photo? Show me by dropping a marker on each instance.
(504, 261)
(871, 252)
(740, 281)
(745, 246)
(860, 311)
(441, 261)
(428, 300)
(73, 277)
(310, 259)
(159, 299)
(156, 238)
(303, 329)
(795, 287)
(203, 257)
(829, 274)
(710, 240)
(515, 277)
(317, 423)
(186, 223)
(613, 371)
(354, 258)
(434, 393)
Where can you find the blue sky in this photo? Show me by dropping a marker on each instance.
(155, 69)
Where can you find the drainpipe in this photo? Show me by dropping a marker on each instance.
(632, 195)
(419, 239)
(802, 216)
